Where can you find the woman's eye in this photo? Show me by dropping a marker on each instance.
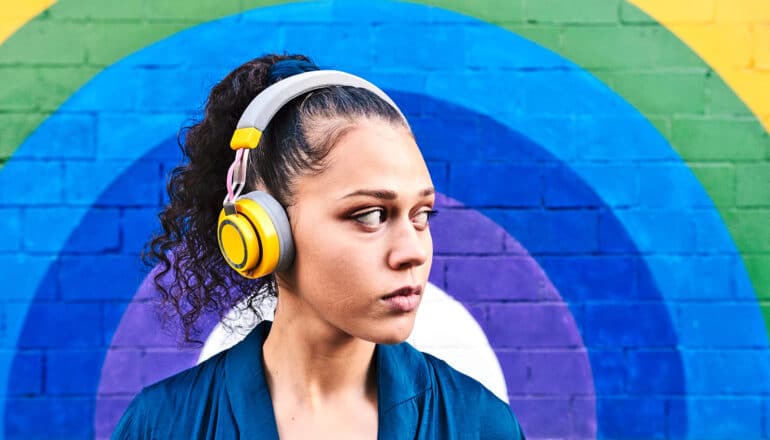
(423, 217)
(371, 218)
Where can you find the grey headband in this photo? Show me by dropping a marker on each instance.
(266, 104)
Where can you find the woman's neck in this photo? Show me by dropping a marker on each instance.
(312, 364)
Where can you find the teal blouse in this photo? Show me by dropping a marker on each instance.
(226, 397)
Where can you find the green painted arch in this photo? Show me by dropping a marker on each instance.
(60, 50)
(57, 52)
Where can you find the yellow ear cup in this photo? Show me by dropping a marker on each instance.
(248, 239)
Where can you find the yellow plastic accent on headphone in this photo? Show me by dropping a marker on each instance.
(237, 237)
(251, 219)
(247, 137)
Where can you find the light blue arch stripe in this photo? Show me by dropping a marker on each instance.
(516, 82)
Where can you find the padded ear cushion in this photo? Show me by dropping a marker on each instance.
(280, 221)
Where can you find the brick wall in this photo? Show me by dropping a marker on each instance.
(605, 168)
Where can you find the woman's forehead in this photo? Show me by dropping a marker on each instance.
(373, 156)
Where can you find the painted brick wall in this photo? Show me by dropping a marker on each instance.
(603, 165)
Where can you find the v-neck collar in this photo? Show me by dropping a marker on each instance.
(402, 375)
(247, 387)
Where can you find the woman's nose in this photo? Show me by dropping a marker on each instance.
(410, 247)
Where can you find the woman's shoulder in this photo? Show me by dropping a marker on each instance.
(451, 380)
(460, 391)
(184, 393)
(188, 386)
(443, 378)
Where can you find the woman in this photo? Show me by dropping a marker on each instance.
(347, 250)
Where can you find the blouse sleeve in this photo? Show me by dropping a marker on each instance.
(131, 424)
(498, 422)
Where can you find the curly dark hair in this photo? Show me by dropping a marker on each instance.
(189, 271)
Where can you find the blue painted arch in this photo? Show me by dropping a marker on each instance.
(433, 139)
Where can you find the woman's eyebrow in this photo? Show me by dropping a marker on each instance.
(428, 192)
(385, 194)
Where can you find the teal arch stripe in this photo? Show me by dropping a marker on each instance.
(533, 90)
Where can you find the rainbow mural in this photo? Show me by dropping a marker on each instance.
(603, 166)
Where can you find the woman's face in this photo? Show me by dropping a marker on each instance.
(364, 249)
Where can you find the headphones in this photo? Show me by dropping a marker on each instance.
(253, 229)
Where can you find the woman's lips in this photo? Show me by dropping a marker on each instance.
(405, 299)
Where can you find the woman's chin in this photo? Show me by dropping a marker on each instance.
(390, 333)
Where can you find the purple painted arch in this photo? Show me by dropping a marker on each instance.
(528, 325)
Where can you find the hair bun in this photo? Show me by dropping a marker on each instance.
(286, 68)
